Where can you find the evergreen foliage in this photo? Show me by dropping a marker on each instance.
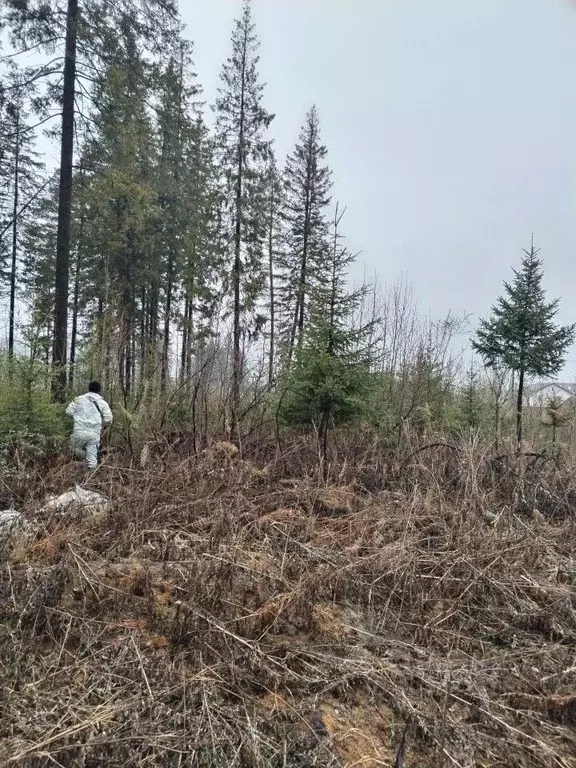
(243, 154)
(307, 184)
(331, 381)
(521, 334)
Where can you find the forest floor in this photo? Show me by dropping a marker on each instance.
(227, 613)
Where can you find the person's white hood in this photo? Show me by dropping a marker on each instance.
(90, 412)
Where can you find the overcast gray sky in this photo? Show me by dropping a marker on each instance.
(450, 125)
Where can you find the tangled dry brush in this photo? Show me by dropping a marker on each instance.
(234, 613)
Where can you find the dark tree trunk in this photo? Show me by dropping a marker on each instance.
(300, 312)
(75, 303)
(272, 297)
(323, 440)
(143, 331)
(133, 347)
(187, 337)
(14, 264)
(237, 270)
(103, 366)
(76, 299)
(183, 351)
(519, 404)
(128, 360)
(337, 220)
(126, 348)
(62, 267)
(168, 312)
(152, 332)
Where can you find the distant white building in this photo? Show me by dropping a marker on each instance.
(543, 394)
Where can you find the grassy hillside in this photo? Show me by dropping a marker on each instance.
(227, 612)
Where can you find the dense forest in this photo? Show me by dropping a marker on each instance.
(204, 280)
(320, 534)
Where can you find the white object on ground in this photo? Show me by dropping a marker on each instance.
(11, 524)
(89, 502)
(9, 518)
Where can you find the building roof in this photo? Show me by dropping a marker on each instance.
(568, 387)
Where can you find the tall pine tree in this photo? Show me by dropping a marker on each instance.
(201, 264)
(330, 382)
(241, 122)
(307, 184)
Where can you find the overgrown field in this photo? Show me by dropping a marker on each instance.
(234, 612)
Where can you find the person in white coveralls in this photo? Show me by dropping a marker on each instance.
(90, 413)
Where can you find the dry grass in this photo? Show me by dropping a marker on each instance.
(219, 615)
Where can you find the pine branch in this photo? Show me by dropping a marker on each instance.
(25, 207)
(39, 74)
(31, 127)
(31, 48)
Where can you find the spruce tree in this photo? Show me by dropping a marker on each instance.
(521, 335)
(241, 122)
(201, 261)
(307, 183)
(330, 382)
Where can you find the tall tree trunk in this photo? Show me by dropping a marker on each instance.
(128, 356)
(64, 207)
(75, 303)
(187, 337)
(184, 340)
(143, 331)
(167, 314)
(497, 424)
(126, 348)
(302, 298)
(133, 347)
(76, 299)
(306, 238)
(236, 272)
(272, 297)
(49, 332)
(300, 311)
(323, 441)
(332, 320)
(152, 334)
(293, 330)
(14, 264)
(190, 339)
(519, 404)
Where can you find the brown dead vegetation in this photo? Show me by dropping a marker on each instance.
(219, 616)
